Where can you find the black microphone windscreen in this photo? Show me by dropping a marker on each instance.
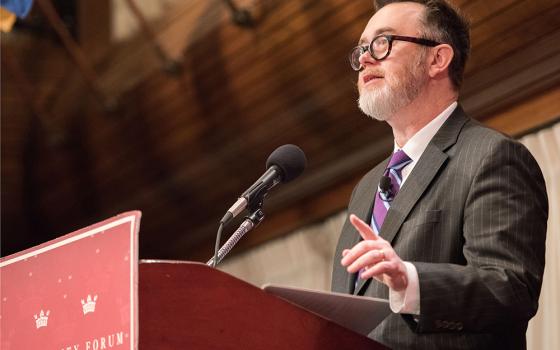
(385, 183)
(290, 159)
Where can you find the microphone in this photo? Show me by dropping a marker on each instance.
(385, 183)
(283, 165)
(385, 189)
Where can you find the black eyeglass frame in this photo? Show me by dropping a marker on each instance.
(390, 38)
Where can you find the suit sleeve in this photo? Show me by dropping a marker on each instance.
(339, 274)
(504, 229)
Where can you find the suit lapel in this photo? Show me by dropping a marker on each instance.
(422, 175)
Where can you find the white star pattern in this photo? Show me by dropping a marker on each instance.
(70, 277)
(97, 251)
(30, 274)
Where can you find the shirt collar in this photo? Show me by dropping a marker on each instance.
(418, 143)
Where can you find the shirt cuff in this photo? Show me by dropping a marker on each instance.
(407, 301)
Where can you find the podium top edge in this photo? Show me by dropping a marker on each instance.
(161, 261)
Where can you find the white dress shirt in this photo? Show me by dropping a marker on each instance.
(408, 300)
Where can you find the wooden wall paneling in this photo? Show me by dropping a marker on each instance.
(514, 78)
(529, 58)
(529, 114)
(487, 26)
(14, 130)
(285, 20)
(275, 100)
(132, 61)
(260, 47)
(515, 28)
(94, 27)
(45, 145)
(184, 28)
(256, 72)
(481, 11)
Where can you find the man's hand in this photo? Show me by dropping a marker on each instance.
(376, 256)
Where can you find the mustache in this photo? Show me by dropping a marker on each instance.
(373, 71)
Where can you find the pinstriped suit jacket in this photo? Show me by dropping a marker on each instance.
(471, 217)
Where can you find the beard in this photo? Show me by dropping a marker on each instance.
(399, 90)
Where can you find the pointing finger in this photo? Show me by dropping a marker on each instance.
(365, 231)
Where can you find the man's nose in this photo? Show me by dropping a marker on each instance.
(366, 59)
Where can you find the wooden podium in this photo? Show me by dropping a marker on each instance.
(185, 305)
(87, 290)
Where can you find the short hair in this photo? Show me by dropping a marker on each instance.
(445, 24)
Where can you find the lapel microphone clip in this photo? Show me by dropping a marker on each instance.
(386, 189)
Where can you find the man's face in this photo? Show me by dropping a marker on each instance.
(387, 86)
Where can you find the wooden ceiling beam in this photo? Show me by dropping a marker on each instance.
(517, 35)
(76, 53)
(94, 27)
(514, 78)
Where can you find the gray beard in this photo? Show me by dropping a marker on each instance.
(398, 92)
(381, 104)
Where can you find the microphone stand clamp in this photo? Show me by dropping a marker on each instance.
(251, 221)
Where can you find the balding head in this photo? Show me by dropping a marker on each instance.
(441, 22)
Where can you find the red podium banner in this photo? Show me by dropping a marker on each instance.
(77, 292)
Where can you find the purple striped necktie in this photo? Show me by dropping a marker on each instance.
(383, 200)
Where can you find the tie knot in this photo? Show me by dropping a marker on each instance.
(399, 160)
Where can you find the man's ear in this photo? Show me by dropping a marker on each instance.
(440, 59)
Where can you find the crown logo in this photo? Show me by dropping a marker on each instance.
(42, 320)
(89, 305)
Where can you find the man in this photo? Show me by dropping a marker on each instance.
(451, 228)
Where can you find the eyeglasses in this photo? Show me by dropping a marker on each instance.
(380, 47)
